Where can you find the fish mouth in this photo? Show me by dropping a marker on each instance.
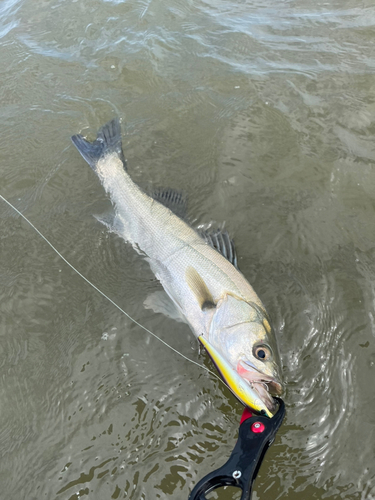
(240, 387)
(264, 385)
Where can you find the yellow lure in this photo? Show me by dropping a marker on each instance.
(240, 388)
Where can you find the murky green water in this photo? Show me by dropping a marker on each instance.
(263, 112)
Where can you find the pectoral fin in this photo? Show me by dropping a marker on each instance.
(199, 288)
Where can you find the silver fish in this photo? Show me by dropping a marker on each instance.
(198, 271)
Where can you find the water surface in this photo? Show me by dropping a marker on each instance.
(263, 112)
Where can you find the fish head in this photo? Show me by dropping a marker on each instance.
(241, 332)
(257, 362)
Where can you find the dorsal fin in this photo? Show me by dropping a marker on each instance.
(199, 288)
(221, 241)
(173, 199)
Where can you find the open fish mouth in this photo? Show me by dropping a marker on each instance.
(248, 393)
(263, 384)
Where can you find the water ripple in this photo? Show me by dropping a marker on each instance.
(263, 113)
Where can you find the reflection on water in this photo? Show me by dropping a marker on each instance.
(264, 114)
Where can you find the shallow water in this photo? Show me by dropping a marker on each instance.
(263, 112)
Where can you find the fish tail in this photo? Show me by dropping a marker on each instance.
(108, 141)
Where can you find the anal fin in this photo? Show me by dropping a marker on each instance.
(112, 221)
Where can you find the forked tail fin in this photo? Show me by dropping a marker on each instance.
(108, 141)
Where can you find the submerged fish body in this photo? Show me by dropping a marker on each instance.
(207, 290)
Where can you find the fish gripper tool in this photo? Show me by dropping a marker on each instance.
(256, 434)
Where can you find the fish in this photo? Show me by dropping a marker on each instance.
(198, 270)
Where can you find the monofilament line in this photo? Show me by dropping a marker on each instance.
(104, 295)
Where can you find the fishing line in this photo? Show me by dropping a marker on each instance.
(106, 296)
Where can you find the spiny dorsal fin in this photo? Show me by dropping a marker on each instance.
(173, 199)
(221, 241)
(199, 288)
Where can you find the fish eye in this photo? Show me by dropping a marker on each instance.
(262, 352)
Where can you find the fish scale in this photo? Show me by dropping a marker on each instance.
(208, 292)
